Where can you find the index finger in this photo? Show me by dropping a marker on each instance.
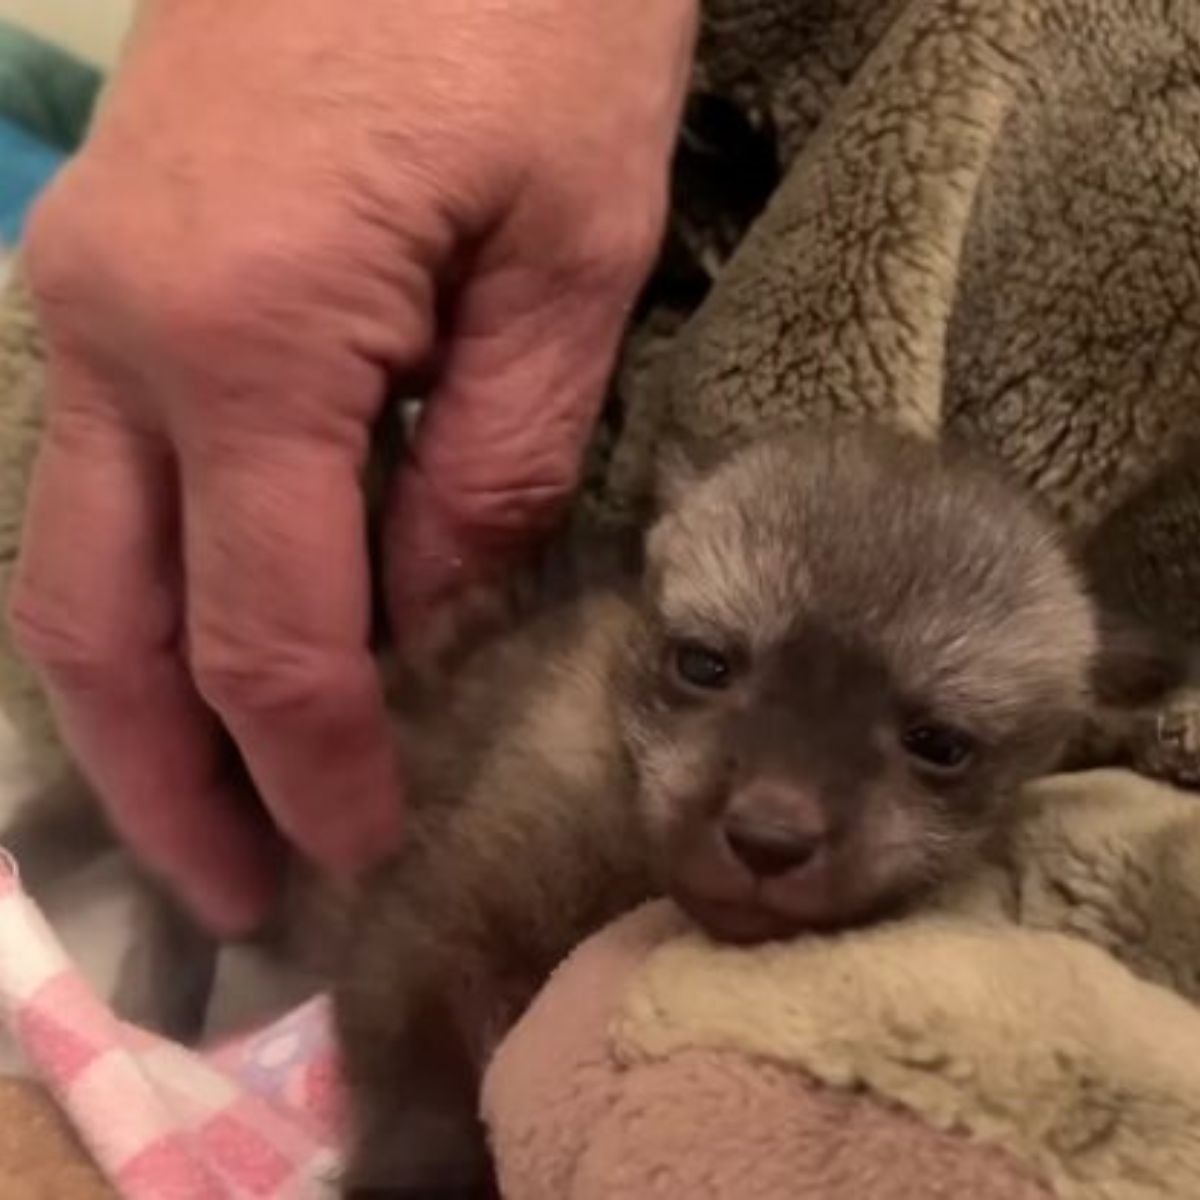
(278, 621)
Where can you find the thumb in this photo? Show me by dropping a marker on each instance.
(500, 446)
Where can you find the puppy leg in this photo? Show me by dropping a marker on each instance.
(167, 975)
(411, 1027)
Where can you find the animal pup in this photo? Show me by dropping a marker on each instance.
(844, 653)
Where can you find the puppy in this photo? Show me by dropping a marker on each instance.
(844, 653)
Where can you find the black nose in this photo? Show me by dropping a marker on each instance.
(770, 850)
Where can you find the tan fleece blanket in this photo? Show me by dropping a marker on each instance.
(22, 388)
(1032, 1033)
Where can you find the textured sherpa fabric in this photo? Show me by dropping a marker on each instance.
(989, 224)
(578, 1115)
(22, 388)
(1030, 1033)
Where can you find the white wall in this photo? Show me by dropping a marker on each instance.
(91, 28)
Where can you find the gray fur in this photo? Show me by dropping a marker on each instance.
(863, 581)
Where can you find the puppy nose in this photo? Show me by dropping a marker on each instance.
(770, 850)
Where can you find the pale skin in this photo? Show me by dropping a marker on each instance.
(285, 206)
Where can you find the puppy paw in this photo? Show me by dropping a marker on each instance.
(1167, 744)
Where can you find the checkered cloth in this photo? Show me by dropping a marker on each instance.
(254, 1118)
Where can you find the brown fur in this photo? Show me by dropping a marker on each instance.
(860, 582)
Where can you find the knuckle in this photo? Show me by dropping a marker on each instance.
(616, 253)
(58, 246)
(262, 682)
(219, 303)
(186, 300)
(514, 508)
(63, 648)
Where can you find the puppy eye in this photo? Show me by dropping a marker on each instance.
(938, 747)
(701, 666)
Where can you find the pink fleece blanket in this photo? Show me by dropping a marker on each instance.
(253, 1118)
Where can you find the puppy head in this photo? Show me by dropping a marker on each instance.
(854, 648)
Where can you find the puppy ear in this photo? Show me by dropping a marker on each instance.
(679, 466)
(589, 557)
(421, 664)
(1136, 665)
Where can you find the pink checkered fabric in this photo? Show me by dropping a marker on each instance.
(253, 1119)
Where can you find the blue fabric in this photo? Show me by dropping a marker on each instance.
(44, 89)
(27, 164)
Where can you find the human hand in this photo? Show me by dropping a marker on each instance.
(284, 206)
